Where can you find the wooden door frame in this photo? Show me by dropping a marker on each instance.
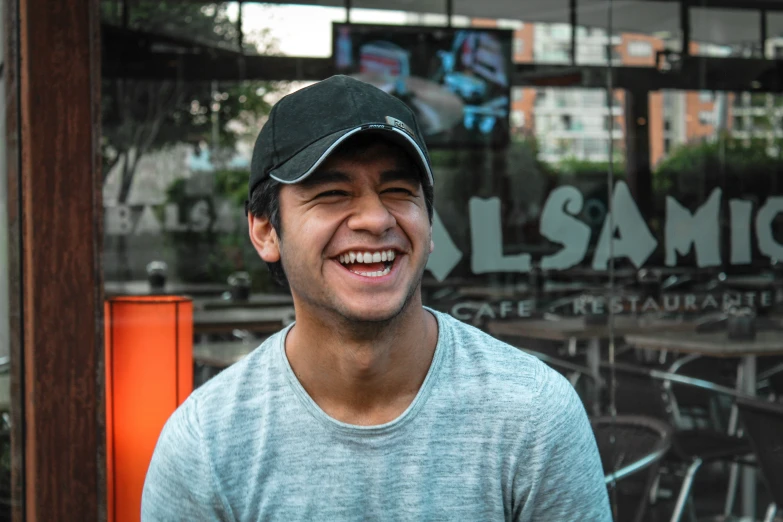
(52, 78)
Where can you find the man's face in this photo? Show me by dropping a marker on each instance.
(356, 236)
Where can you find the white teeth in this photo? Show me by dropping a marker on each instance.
(373, 274)
(367, 257)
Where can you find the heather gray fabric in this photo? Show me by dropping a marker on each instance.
(493, 434)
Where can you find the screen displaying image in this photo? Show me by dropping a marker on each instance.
(456, 80)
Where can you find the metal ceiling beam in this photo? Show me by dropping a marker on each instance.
(745, 5)
(697, 72)
(119, 42)
(197, 68)
(134, 54)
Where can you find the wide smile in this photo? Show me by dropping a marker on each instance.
(369, 264)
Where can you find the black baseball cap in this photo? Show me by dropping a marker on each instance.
(305, 126)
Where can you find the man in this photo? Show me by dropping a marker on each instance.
(370, 406)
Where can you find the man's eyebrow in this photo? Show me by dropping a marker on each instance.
(322, 178)
(401, 175)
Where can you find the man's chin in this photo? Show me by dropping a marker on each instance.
(375, 315)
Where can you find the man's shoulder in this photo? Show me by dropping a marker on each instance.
(498, 363)
(237, 387)
(208, 434)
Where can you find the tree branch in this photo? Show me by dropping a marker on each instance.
(109, 165)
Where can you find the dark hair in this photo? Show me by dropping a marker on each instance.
(265, 198)
(265, 202)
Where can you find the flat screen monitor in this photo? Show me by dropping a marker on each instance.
(456, 80)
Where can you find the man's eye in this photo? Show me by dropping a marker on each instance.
(399, 190)
(331, 193)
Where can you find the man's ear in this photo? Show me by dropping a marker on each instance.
(432, 243)
(264, 238)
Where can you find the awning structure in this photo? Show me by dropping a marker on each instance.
(132, 53)
(721, 22)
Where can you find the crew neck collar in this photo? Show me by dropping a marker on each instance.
(365, 431)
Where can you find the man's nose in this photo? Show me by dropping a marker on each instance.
(371, 215)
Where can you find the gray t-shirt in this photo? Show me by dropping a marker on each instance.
(493, 434)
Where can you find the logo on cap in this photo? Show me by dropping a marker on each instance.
(399, 124)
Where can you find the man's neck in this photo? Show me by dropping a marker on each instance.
(362, 378)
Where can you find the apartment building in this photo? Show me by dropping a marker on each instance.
(758, 117)
(575, 123)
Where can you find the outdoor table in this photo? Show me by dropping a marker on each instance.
(142, 287)
(525, 290)
(573, 329)
(751, 282)
(257, 320)
(717, 344)
(254, 301)
(223, 354)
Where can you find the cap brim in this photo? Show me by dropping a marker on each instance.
(307, 161)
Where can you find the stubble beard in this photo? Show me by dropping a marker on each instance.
(362, 327)
(332, 313)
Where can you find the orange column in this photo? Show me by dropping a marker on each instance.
(149, 373)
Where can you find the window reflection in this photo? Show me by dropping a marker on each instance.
(177, 157)
(5, 310)
(608, 219)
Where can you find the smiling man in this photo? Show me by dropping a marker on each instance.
(370, 406)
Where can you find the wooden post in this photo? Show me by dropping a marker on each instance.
(55, 214)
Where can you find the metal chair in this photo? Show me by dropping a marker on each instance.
(645, 391)
(648, 392)
(628, 445)
(699, 405)
(763, 423)
(770, 380)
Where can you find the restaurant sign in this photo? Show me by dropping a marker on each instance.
(584, 305)
(624, 227)
(624, 233)
(133, 220)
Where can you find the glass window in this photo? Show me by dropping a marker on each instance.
(574, 238)
(519, 46)
(517, 119)
(6, 275)
(640, 49)
(596, 148)
(561, 31)
(706, 117)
